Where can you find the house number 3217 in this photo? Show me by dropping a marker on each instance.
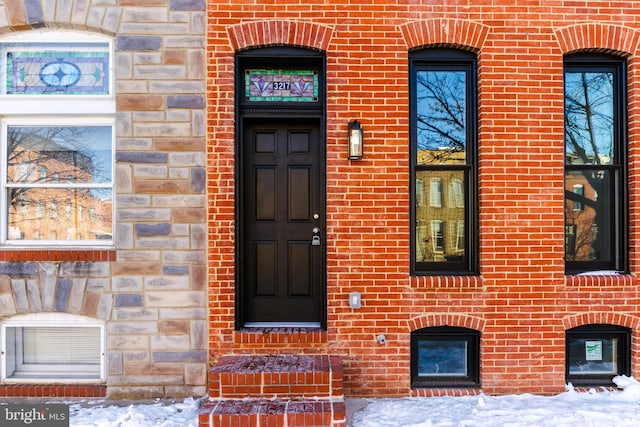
(281, 85)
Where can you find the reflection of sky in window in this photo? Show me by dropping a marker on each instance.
(89, 142)
(441, 110)
(589, 117)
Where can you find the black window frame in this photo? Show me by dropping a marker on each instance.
(443, 59)
(599, 332)
(617, 170)
(447, 333)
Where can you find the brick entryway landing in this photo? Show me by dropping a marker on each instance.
(275, 391)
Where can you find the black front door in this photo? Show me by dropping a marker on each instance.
(282, 208)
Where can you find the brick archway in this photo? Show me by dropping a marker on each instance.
(459, 320)
(595, 35)
(275, 32)
(619, 319)
(445, 32)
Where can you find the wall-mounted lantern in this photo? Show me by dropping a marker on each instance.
(356, 141)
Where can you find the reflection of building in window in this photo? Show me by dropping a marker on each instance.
(437, 236)
(420, 192)
(435, 193)
(438, 220)
(35, 199)
(578, 190)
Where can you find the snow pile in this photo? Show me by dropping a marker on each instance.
(594, 409)
(184, 414)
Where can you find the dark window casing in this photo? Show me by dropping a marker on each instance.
(596, 353)
(445, 356)
(595, 135)
(443, 181)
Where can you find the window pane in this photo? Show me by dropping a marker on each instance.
(37, 212)
(589, 118)
(588, 215)
(593, 356)
(443, 212)
(43, 154)
(437, 358)
(441, 113)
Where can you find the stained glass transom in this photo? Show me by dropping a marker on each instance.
(281, 85)
(38, 70)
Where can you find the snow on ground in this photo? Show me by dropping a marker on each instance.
(568, 409)
(160, 414)
(596, 409)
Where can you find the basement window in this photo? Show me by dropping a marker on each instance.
(445, 356)
(597, 353)
(52, 347)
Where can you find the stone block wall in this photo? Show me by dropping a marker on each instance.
(150, 288)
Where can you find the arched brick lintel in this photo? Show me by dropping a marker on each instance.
(459, 320)
(22, 15)
(610, 318)
(276, 32)
(598, 36)
(445, 32)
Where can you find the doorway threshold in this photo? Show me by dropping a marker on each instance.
(282, 325)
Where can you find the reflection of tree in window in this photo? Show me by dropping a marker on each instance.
(592, 163)
(82, 154)
(443, 159)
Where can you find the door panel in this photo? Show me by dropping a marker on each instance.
(282, 273)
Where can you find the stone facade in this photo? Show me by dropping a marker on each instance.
(150, 288)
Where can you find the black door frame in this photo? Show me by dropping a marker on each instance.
(277, 57)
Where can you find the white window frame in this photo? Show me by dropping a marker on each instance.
(49, 320)
(67, 109)
(61, 121)
(45, 104)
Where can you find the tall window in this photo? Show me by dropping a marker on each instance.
(57, 108)
(443, 154)
(595, 163)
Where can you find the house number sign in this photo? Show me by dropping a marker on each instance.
(281, 85)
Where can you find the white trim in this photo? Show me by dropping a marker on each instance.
(52, 320)
(11, 105)
(71, 120)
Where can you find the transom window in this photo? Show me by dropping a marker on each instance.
(595, 163)
(57, 128)
(52, 347)
(597, 353)
(443, 159)
(445, 356)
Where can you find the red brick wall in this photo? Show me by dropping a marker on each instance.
(522, 302)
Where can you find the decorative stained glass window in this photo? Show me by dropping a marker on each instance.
(50, 68)
(281, 85)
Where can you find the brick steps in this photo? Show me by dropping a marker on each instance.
(275, 390)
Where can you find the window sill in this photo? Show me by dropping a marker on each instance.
(26, 255)
(452, 282)
(599, 280)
